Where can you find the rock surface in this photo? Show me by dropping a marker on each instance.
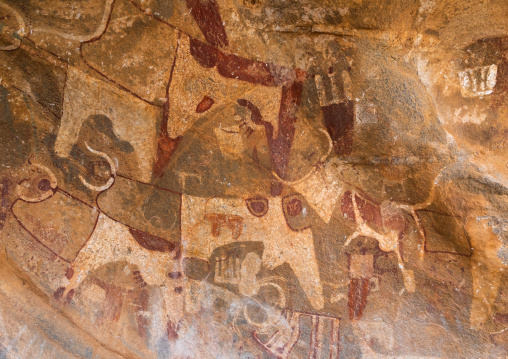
(253, 179)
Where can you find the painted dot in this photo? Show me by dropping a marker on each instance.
(44, 185)
(294, 207)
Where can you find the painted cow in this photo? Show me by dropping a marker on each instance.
(149, 197)
(154, 171)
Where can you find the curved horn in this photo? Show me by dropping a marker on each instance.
(47, 194)
(113, 172)
(314, 168)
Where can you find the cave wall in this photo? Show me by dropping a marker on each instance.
(253, 179)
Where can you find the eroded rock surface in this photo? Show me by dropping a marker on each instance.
(253, 179)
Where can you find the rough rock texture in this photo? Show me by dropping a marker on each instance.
(253, 179)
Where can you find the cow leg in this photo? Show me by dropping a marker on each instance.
(67, 292)
(83, 264)
(173, 295)
(173, 302)
(97, 252)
